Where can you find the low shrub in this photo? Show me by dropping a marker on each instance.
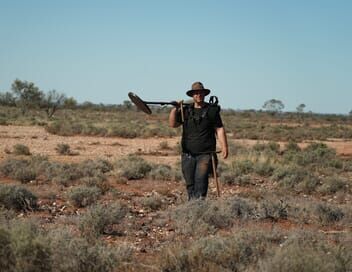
(199, 217)
(7, 256)
(328, 214)
(72, 253)
(64, 128)
(242, 208)
(237, 252)
(99, 181)
(309, 253)
(315, 155)
(31, 251)
(334, 184)
(163, 172)
(83, 196)
(231, 178)
(153, 202)
(132, 167)
(243, 167)
(90, 168)
(24, 248)
(264, 169)
(292, 147)
(290, 175)
(94, 222)
(164, 145)
(63, 149)
(124, 131)
(20, 149)
(24, 175)
(271, 147)
(17, 198)
(9, 166)
(273, 210)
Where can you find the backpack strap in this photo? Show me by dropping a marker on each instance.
(213, 111)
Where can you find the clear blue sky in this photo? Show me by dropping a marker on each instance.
(246, 52)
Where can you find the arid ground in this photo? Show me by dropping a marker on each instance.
(160, 225)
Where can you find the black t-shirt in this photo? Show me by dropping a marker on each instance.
(199, 129)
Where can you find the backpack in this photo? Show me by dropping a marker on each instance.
(210, 112)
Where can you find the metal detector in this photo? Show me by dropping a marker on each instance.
(143, 105)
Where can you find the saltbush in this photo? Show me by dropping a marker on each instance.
(132, 167)
(94, 222)
(17, 198)
(72, 253)
(63, 149)
(20, 149)
(82, 196)
(328, 214)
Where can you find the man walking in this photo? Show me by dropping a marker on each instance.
(201, 124)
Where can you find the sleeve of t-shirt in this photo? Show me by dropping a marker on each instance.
(218, 121)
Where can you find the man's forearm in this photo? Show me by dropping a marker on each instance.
(223, 141)
(173, 118)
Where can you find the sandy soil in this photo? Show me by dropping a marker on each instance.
(41, 142)
(88, 147)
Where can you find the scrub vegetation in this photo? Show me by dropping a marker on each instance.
(285, 200)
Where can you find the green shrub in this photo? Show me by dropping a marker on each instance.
(6, 215)
(328, 214)
(271, 147)
(24, 175)
(83, 196)
(90, 168)
(273, 210)
(164, 145)
(161, 172)
(63, 149)
(315, 155)
(332, 185)
(242, 208)
(290, 175)
(17, 198)
(238, 252)
(30, 248)
(292, 147)
(264, 169)
(94, 222)
(124, 131)
(72, 253)
(199, 217)
(64, 128)
(132, 167)
(20, 149)
(153, 202)
(99, 181)
(239, 168)
(7, 256)
(308, 254)
(232, 179)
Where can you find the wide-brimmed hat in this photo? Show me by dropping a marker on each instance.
(197, 86)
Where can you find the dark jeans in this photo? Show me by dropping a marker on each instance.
(196, 169)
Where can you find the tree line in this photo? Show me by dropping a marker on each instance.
(27, 96)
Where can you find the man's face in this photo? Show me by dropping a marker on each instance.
(198, 96)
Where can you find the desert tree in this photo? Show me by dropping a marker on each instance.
(70, 103)
(127, 105)
(52, 101)
(273, 106)
(27, 95)
(300, 108)
(7, 99)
